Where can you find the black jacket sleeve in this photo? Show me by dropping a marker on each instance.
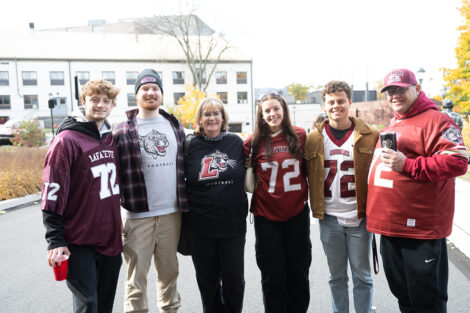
(54, 230)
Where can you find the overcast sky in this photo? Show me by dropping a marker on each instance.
(304, 41)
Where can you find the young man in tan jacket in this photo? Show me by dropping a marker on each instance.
(338, 154)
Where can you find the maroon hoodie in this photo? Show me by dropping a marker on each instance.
(81, 191)
(419, 201)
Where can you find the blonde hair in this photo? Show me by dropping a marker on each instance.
(210, 102)
(96, 87)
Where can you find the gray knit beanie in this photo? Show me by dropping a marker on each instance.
(148, 76)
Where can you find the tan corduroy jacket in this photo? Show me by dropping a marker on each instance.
(365, 139)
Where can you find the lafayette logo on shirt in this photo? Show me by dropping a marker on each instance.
(154, 143)
(215, 163)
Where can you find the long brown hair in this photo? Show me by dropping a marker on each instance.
(262, 132)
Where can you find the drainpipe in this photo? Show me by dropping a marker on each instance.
(17, 83)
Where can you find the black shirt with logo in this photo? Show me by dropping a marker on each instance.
(215, 176)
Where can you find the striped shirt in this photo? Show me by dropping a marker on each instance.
(133, 191)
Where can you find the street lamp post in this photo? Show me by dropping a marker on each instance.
(293, 111)
(443, 92)
(52, 103)
(420, 73)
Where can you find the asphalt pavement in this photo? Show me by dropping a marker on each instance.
(27, 284)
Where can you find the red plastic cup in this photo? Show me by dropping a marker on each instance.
(60, 271)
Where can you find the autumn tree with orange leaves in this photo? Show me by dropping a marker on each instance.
(458, 79)
(187, 105)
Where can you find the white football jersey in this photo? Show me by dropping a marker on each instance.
(340, 187)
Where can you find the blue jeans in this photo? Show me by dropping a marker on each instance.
(340, 245)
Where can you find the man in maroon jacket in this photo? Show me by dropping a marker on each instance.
(80, 201)
(411, 194)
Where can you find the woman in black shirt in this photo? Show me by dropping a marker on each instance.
(218, 206)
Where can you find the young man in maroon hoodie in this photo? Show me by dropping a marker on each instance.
(410, 199)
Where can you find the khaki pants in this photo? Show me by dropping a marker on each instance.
(143, 238)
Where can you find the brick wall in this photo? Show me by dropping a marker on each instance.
(377, 113)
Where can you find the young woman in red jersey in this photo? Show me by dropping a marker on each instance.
(281, 215)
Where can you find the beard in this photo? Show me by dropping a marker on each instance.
(146, 105)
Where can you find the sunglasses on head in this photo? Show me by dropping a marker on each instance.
(263, 96)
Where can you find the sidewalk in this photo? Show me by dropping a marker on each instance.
(13, 203)
(460, 236)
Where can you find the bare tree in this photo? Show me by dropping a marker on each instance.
(202, 46)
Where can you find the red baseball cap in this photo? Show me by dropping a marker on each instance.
(399, 77)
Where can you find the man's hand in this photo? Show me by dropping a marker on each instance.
(53, 255)
(393, 159)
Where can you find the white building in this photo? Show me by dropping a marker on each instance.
(36, 65)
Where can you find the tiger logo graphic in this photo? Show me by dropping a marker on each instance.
(215, 163)
(154, 143)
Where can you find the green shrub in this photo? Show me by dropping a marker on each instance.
(29, 134)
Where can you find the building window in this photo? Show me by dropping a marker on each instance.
(5, 102)
(202, 73)
(30, 78)
(222, 96)
(97, 28)
(242, 97)
(221, 77)
(241, 77)
(83, 77)
(235, 127)
(178, 78)
(57, 78)
(131, 77)
(108, 76)
(177, 96)
(30, 101)
(4, 79)
(161, 77)
(131, 100)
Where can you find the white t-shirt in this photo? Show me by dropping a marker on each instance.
(158, 147)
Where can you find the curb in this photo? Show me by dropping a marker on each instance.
(460, 239)
(13, 203)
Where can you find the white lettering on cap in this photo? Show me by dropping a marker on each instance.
(148, 79)
(394, 78)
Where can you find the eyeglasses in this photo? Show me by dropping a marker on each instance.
(396, 91)
(263, 96)
(209, 114)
